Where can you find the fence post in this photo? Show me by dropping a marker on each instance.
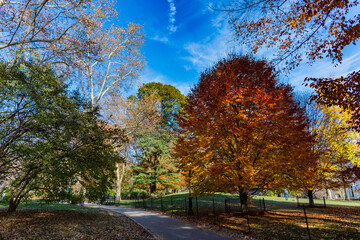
(264, 204)
(171, 199)
(225, 205)
(214, 211)
(260, 203)
(307, 224)
(324, 202)
(197, 208)
(247, 217)
(297, 201)
(143, 202)
(161, 202)
(185, 206)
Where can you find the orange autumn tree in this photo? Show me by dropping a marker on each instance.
(241, 131)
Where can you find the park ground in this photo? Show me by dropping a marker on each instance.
(64, 221)
(281, 220)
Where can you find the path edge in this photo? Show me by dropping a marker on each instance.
(146, 229)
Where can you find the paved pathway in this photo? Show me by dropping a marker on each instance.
(164, 227)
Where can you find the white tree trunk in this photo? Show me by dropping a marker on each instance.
(119, 178)
(346, 194)
(329, 194)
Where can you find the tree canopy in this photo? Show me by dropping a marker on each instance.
(156, 165)
(170, 97)
(50, 139)
(241, 131)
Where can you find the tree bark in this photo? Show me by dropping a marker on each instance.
(190, 208)
(329, 194)
(311, 198)
(119, 179)
(153, 188)
(13, 204)
(243, 199)
(346, 194)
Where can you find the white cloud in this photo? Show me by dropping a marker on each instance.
(324, 68)
(205, 53)
(160, 39)
(171, 26)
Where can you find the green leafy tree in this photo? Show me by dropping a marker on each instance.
(171, 101)
(155, 165)
(59, 139)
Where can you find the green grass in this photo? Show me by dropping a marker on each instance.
(176, 202)
(318, 202)
(3, 205)
(36, 204)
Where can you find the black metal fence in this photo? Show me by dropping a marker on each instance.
(258, 215)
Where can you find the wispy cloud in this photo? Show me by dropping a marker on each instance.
(205, 53)
(160, 39)
(324, 68)
(171, 26)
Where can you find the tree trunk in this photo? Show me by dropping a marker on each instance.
(329, 194)
(13, 204)
(243, 199)
(119, 179)
(12, 207)
(131, 191)
(311, 198)
(190, 208)
(153, 188)
(346, 194)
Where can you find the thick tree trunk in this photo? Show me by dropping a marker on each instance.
(17, 196)
(119, 179)
(190, 208)
(13, 204)
(152, 188)
(311, 198)
(243, 199)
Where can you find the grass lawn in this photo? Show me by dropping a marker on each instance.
(64, 221)
(177, 201)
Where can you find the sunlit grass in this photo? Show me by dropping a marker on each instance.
(219, 198)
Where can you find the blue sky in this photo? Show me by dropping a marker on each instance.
(183, 38)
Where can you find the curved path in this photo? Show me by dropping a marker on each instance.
(164, 227)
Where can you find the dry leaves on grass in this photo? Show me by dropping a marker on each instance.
(65, 224)
(340, 223)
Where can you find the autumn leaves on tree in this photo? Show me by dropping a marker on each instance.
(241, 131)
(304, 30)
